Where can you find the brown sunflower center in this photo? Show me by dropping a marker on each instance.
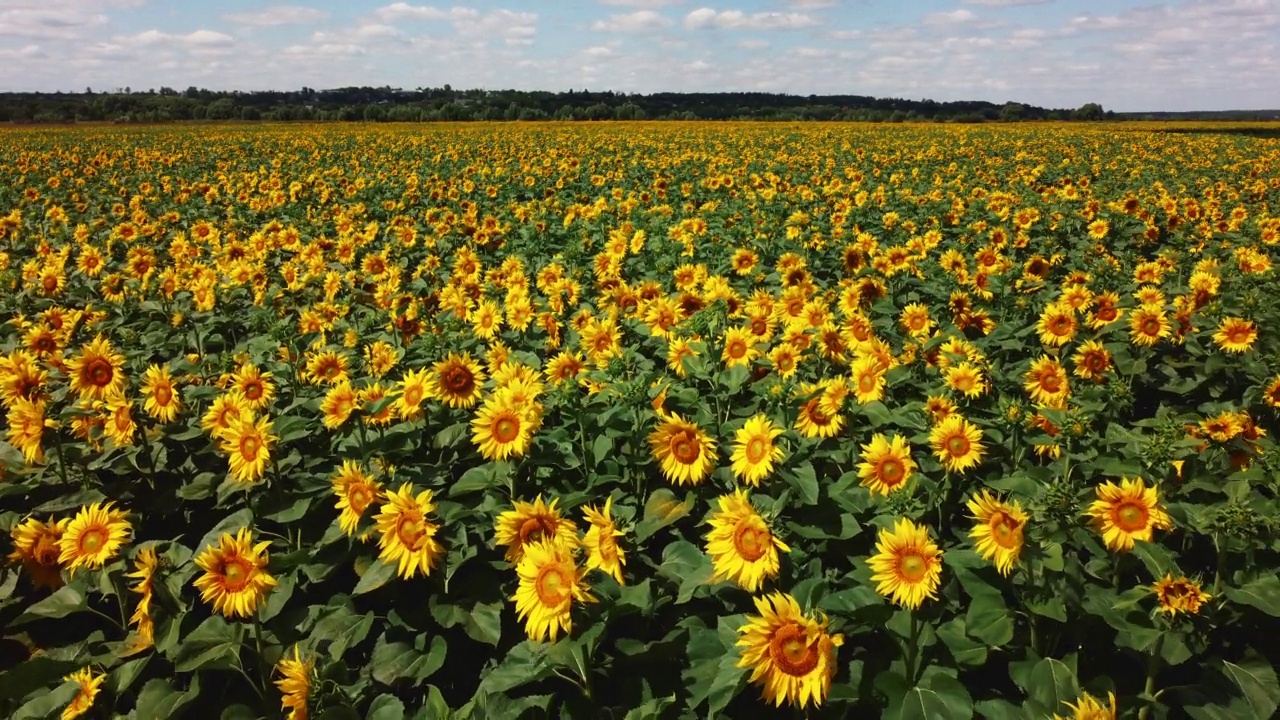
(1060, 325)
(162, 394)
(963, 382)
(99, 372)
(359, 497)
(458, 380)
(891, 471)
(751, 539)
(792, 652)
(736, 349)
(1050, 383)
(252, 390)
(958, 445)
(552, 585)
(249, 447)
(506, 429)
(685, 447)
(1005, 531)
(413, 395)
(411, 529)
(1106, 313)
(1150, 326)
(1130, 516)
(536, 529)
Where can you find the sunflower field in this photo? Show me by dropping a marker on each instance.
(639, 421)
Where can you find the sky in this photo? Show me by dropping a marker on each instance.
(1128, 55)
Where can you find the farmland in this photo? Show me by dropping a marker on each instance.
(639, 420)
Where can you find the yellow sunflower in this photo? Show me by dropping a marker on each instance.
(907, 564)
(739, 347)
(144, 571)
(338, 404)
(550, 582)
(1179, 595)
(741, 545)
(1149, 325)
(26, 428)
(957, 443)
(36, 549)
(248, 444)
(1271, 395)
(120, 426)
(868, 379)
(502, 428)
(812, 422)
(456, 380)
(1088, 707)
(161, 400)
(235, 580)
(686, 453)
(97, 372)
(1057, 325)
(226, 410)
(94, 536)
(408, 538)
(886, 464)
(356, 491)
(1236, 335)
(255, 386)
(1092, 361)
(295, 683)
(791, 656)
(1126, 513)
(90, 685)
(601, 542)
(754, 453)
(532, 522)
(413, 388)
(997, 533)
(966, 379)
(1046, 382)
(327, 368)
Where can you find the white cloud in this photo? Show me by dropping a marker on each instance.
(738, 20)
(645, 4)
(632, 22)
(955, 17)
(199, 39)
(279, 15)
(1004, 3)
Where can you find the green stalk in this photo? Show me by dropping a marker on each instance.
(913, 649)
(1153, 669)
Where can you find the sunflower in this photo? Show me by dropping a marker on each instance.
(161, 401)
(120, 426)
(1179, 595)
(915, 319)
(226, 410)
(255, 386)
(1126, 513)
(356, 491)
(678, 350)
(1272, 393)
(97, 372)
(739, 347)
(89, 686)
(413, 388)
(868, 379)
(1236, 335)
(601, 542)
(1088, 707)
(26, 428)
(144, 571)
(966, 379)
(550, 582)
(1148, 325)
(938, 408)
(754, 453)
(408, 537)
(1098, 229)
(295, 683)
(532, 522)
(486, 319)
(235, 580)
(686, 453)
(741, 545)
(812, 422)
(564, 367)
(93, 537)
(327, 368)
(502, 428)
(907, 564)
(36, 548)
(247, 443)
(792, 657)
(1046, 382)
(998, 532)
(1057, 325)
(1092, 361)
(456, 381)
(957, 443)
(785, 360)
(886, 464)
(338, 404)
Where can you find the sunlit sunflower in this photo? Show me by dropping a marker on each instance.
(226, 410)
(1088, 707)
(144, 571)
(248, 445)
(120, 426)
(966, 379)
(413, 388)
(235, 579)
(686, 453)
(97, 372)
(957, 443)
(1057, 325)
(1046, 382)
(550, 582)
(532, 522)
(160, 398)
(1149, 325)
(27, 424)
(408, 538)
(356, 491)
(94, 536)
(456, 381)
(89, 687)
(791, 656)
(739, 347)
(741, 545)
(907, 564)
(886, 464)
(1127, 512)
(812, 422)
(1092, 361)
(502, 428)
(1179, 595)
(295, 683)
(256, 386)
(338, 404)
(997, 532)
(601, 541)
(1271, 395)
(36, 549)
(564, 367)
(754, 453)
(1236, 335)
(868, 379)
(327, 368)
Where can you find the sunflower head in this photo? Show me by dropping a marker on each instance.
(550, 582)
(408, 537)
(742, 546)
(957, 443)
(791, 655)
(93, 536)
(36, 547)
(235, 579)
(1179, 595)
(754, 452)
(998, 529)
(886, 464)
(907, 564)
(686, 453)
(528, 523)
(1127, 512)
(601, 541)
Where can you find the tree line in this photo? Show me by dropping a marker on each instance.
(387, 104)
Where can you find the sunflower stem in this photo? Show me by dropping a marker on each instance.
(62, 459)
(913, 648)
(1153, 669)
(257, 640)
(1221, 563)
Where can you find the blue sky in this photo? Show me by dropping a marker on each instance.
(1126, 54)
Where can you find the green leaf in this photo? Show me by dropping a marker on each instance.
(989, 620)
(661, 510)
(601, 447)
(48, 705)
(999, 710)
(290, 427)
(685, 564)
(1262, 593)
(943, 697)
(436, 708)
(343, 629)
(485, 623)
(1051, 684)
(804, 480)
(966, 651)
(475, 479)
(214, 644)
(229, 524)
(379, 573)
(123, 676)
(385, 707)
(159, 699)
(39, 671)
(398, 661)
(63, 602)
(1256, 678)
(239, 712)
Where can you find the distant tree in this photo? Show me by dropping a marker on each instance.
(1089, 111)
(1013, 112)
